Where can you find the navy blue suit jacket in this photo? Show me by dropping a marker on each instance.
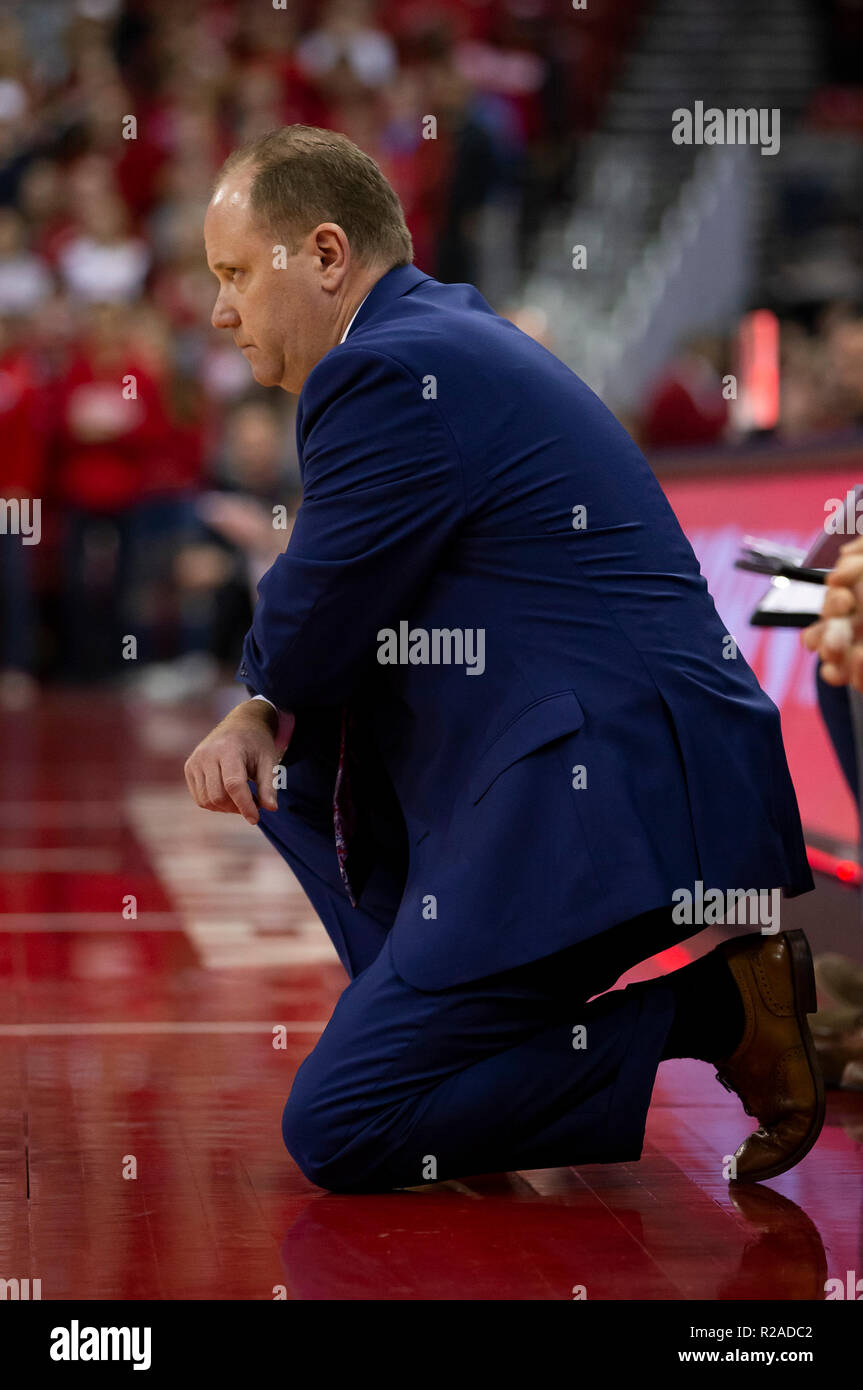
(443, 453)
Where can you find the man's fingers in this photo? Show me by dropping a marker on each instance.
(832, 674)
(836, 639)
(811, 636)
(196, 782)
(236, 783)
(215, 796)
(264, 778)
(848, 572)
(191, 776)
(838, 603)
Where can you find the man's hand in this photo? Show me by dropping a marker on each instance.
(240, 749)
(837, 637)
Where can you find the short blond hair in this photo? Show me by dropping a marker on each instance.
(304, 176)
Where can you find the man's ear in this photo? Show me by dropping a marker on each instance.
(333, 251)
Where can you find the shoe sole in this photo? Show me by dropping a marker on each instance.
(803, 984)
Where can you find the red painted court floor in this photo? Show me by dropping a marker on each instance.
(147, 952)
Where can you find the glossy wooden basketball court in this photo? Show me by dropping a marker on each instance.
(149, 950)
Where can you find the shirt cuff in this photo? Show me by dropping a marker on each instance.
(286, 724)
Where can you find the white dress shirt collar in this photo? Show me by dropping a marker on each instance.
(353, 316)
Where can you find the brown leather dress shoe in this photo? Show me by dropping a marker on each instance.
(775, 1069)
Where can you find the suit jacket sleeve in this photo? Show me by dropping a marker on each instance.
(382, 495)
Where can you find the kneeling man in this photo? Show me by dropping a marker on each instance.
(519, 748)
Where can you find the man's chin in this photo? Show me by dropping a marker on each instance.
(263, 373)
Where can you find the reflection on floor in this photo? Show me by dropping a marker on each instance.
(148, 950)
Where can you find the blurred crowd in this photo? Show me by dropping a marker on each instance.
(819, 378)
(157, 499)
(157, 496)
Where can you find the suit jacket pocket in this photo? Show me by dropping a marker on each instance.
(547, 719)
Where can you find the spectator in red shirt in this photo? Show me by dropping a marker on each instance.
(112, 429)
(686, 407)
(22, 462)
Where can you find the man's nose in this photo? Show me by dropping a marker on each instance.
(223, 315)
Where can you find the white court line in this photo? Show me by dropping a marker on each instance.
(80, 1030)
(225, 880)
(19, 815)
(60, 861)
(90, 922)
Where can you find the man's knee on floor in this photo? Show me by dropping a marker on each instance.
(317, 1148)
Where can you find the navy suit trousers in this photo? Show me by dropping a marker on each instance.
(520, 1069)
